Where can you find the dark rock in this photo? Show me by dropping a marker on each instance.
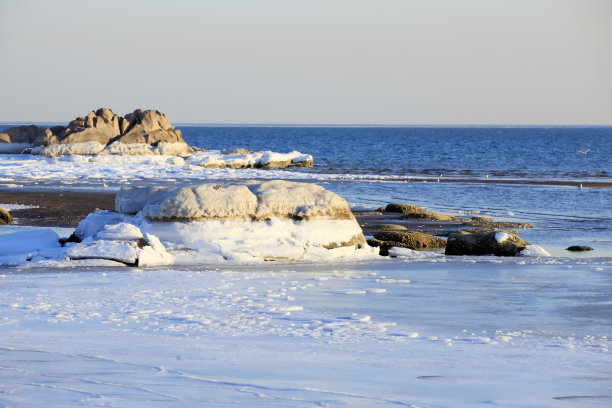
(482, 222)
(483, 243)
(388, 227)
(410, 239)
(579, 248)
(71, 238)
(431, 216)
(403, 208)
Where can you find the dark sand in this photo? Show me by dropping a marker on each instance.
(55, 209)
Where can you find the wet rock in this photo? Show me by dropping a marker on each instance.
(484, 243)
(579, 248)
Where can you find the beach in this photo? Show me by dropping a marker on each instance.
(417, 329)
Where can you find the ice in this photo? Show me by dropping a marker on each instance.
(17, 247)
(85, 148)
(124, 252)
(11, 207)
(232, 336)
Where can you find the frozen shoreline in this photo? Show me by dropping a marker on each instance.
(425, 333)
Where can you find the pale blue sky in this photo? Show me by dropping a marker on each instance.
(315, 61)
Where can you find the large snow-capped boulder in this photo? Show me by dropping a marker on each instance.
(254, 221)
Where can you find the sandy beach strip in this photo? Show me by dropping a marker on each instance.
(55, 209)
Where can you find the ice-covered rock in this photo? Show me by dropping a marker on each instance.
(254, 221)
(242, 158)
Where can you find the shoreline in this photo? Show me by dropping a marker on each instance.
(66, 209)
(55, 209)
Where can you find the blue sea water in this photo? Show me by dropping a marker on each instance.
(510, 152)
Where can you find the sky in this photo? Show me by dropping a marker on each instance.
(434, 62)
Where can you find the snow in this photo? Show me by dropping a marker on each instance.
(22, 247)
(11, 207)
(534, 250)
(124, 252)
(95, 222)
(287, 335)
(85, 148)
(501, 237)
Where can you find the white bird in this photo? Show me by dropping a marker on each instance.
(584, 151)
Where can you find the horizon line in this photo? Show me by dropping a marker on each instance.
(341, 125)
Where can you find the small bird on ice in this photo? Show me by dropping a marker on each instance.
(584, 151)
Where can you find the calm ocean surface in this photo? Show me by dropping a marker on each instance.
(509, 152)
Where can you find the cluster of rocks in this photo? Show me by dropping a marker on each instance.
(142, 132)
(483, 237)
(93, 133)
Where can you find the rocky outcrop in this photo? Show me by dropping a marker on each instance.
(91, 134)
(32, 135)
(484, 243)
(5, 216)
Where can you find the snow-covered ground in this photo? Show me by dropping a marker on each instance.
(404, 332)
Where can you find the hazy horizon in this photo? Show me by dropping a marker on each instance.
(338, 62)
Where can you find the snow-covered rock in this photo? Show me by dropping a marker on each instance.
(247, 159)
(255, 221)
(140, 133)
